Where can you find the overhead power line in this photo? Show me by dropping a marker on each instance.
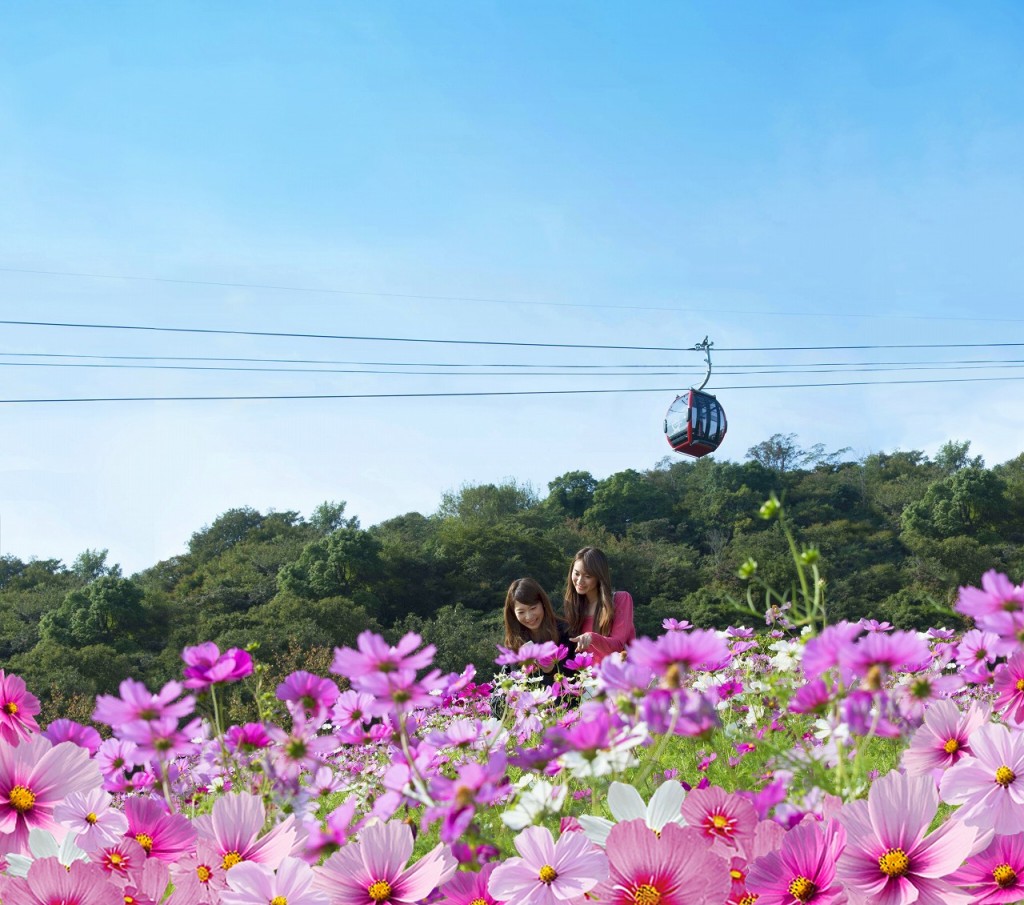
(503, 343)
(323, 290)
(486, 393)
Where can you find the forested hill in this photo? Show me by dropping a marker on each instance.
(898, 532)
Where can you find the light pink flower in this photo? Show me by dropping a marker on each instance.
(233, 831)
(138, 703)
(548, 872)
(889, 859)
(943, 739)
(17, 709)
(91, 818)
(49, 882)
(34, 778)
(257, 884)
(803, 870)
(373, 870)
(376, 656)
(989, 785)
(725, 820)
(997, 596)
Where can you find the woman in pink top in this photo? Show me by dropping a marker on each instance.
(600, 619)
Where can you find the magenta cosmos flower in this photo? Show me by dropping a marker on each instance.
(676, 653)
(205, 665)
(995, 875)
(989, 785)
(49, 882)
(373, 870)
(943, 740)
(233, 831)
(548, 872)
(1009, 687)
(34, 778)
(889, 859)
(163, 836)
(17, 709)
(69, 731)
(673, 868)
(309, 694)
(469, 887)
(803, 871)
(257, 884)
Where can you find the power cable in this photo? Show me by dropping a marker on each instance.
(504, 343)
(486, 393)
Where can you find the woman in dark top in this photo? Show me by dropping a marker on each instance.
(529, 616)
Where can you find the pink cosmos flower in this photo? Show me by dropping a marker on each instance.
(873, 625)
(726, 821)
(373, 870)
(888, 859)
(678, 652)
(548, 872)
(247, 738)
(233, 831)
(49, 882)
(676, 625)
(543, 654)
(119, 859)
(310, 695)
(1009, 687)
(943, 740)
(205, 665)
(978, 649)
(376, 656)
(138, 703)
(673, 868)
(997, 596)
(69, 731)
(803, 870)
(878, 652)
(826, 650)
(469, 887)
(148, 884)
(162, 739)
(163, 836)
(995, 875)
(91, 818)
(989, 785)
(34, 778)
(257, 884)
(202, 870)
(17, 709)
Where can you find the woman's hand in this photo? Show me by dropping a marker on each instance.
(582, 642)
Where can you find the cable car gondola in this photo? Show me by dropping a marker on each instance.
(695, 423)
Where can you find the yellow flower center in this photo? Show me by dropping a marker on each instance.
(548, 874)
(1020, 685)
(673, 676)
(230, 859)
(115, 860)
(894, 863)
(951, 747)
(1004, 776)
(802, 889)
(1005, 876)
(129, 900)
(204, 873)
(749, 899)
(91, 818)
(279, 900)
(22, 799)
(478, 902)
(11, 708)
(645, 894)
(737, 875)
(379, 891)
(146, 841)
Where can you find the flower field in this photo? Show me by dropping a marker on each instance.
(805, 763)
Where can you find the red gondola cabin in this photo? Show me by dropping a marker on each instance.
(695, 424)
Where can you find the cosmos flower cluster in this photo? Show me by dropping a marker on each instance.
(535, 792)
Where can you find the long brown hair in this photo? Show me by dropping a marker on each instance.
(595, 564)
(528, 591)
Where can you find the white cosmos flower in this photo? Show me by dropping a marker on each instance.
(618, 756)
(43, 844)
(625, 803)
(540, 799)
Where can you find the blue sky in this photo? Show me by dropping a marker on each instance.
(606, 174)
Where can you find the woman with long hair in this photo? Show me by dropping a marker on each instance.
(600, 618)
(529, 616)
